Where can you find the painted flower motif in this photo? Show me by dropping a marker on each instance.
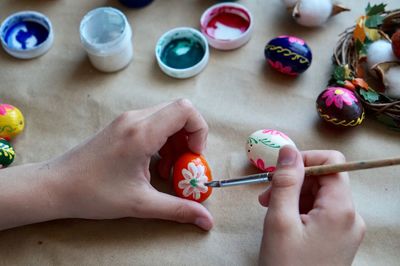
(338, 96)
(261, 165)
(194, 180)
(293, 39)
(281, 68)
(4, 108)
(275, 133)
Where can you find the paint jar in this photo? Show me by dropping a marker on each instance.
(107, 37)
(227, 26)
(26, 34)
(135, 3)
(182, 52)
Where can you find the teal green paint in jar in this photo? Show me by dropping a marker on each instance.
(182, 52)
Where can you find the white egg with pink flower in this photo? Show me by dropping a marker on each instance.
(263, 148)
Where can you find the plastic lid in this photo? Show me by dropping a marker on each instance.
(26, 34)
(227, 25)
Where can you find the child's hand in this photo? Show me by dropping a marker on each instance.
(108, 176)
(314, 223)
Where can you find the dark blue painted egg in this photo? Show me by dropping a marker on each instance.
(288, 55)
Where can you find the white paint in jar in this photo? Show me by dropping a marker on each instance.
(107, 37)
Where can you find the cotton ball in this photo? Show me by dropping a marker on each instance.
(391, 79)
(290, 3)
(312, 13)
(379, 52)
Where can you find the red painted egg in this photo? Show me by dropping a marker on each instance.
(340, 107)
(396, 44)
(191, 171)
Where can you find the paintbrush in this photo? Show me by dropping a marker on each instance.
(309, 171)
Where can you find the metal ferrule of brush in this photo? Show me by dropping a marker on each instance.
(246, 180)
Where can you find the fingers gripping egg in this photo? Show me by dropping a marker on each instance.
(263, 148)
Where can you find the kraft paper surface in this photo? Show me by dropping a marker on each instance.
(65, 100)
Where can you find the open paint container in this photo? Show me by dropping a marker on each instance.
(26, 34)
(182, 52)
(107, 37)
(227, 25)
(136, 3)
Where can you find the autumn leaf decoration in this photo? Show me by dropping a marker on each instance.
(366, 29)
(343, 77)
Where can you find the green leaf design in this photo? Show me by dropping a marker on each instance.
(370, 95)
(373, 22)
(269, 143)
(251, 140)
(375, 9)
(339, 73)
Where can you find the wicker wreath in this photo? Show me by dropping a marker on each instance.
(350, 56)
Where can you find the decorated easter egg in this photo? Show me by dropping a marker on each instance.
(190, 173)
(7, 153)
(263, 148)
(11, 121)
(288, 54)
(340, 107)
(396, 44)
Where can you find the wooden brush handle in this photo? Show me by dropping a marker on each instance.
(350, 166)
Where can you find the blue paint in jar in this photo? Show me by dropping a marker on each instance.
(135, 3)
(25, 35)
(182, 53)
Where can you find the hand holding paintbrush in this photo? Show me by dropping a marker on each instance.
(314, 218)
(309, 171)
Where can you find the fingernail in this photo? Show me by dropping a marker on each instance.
(203, 223)
(287, 156)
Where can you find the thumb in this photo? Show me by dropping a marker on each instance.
(167, 207)
(286, 184)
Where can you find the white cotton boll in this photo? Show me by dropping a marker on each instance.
(290, 3)
(391, 80)
(379, 52)
(313, 13)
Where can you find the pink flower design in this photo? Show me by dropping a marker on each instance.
(275, 132)
(4, 107)
(338, 96)
(293, 39)
(261, 165)
(281, 68)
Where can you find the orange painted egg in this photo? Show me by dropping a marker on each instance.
(190, 173)
(11, 121)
